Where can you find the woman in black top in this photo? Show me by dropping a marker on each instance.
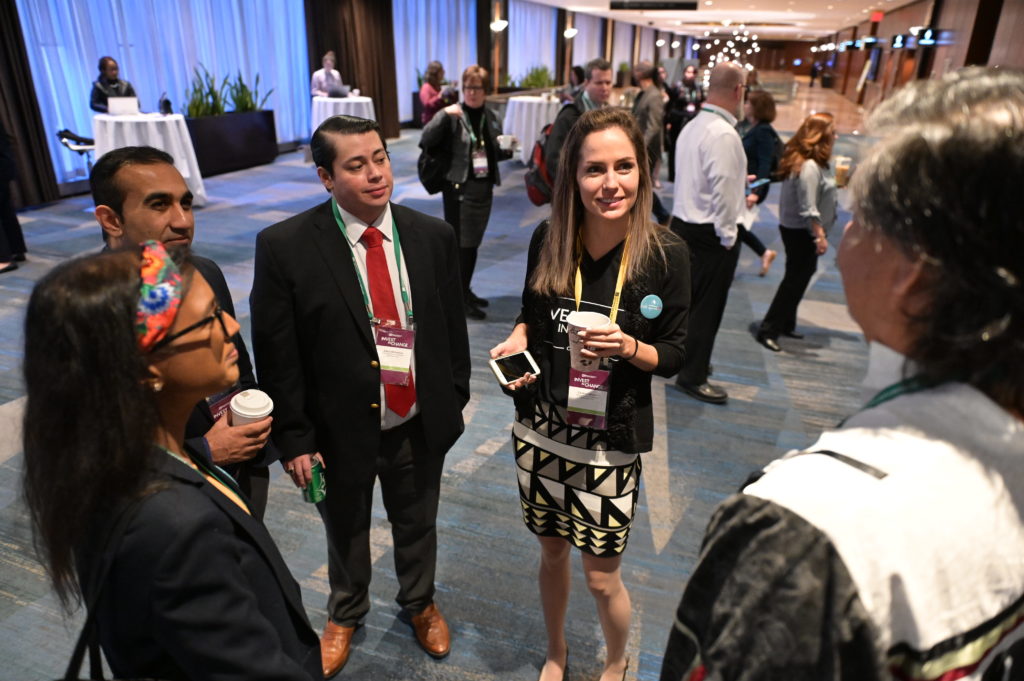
(759, 141)
(470, 131)
(119, 347)
(578, 478)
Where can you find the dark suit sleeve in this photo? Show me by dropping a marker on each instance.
(276, 345)
(204, 612)
(129, 91)
(455, 320)
(97, 102)
(559, 131)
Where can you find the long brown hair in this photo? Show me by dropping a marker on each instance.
(558, 258)
(90, 416)
(813, 141)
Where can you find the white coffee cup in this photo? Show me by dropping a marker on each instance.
(505, 142)
(581, 321)
(355, 92)
(250, 406)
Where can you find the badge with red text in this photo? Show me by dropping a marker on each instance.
(221, 402)
(588, 398)
(394, 349)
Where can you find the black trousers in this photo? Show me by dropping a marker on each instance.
(254, 481)
(12, 240)
(712, 267)
(801, 263)
(750, 239)
(410, 482)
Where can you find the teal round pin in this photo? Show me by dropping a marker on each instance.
(651, 306)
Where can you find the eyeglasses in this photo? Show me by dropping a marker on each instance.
(473, 88)
(218, 314)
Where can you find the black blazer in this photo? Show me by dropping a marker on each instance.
(314, 347)
(198, 590)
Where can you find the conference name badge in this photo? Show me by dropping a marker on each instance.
(394, 350)
(588, 398)
(651, 306)
(480, 162)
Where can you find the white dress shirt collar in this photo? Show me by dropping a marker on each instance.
(354, 227)
(730, 117)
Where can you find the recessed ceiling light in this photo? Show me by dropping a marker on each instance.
(708, 3)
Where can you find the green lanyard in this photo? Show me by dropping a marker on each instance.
(904, 387)
(474, 140)
(406, 303)
(618, 282)
(717, 113)
(214, 471)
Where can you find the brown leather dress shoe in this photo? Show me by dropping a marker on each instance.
(335, 645)
(432, 632)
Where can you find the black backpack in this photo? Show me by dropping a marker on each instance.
(432, 167)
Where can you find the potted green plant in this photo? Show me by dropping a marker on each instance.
(622, 78)
(228, 140)
(537, 77)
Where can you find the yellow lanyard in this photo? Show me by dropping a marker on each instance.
(618, 282)
(228, 490)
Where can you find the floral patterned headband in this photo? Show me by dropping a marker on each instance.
(160, 295)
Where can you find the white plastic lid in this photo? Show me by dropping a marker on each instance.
(252, 403)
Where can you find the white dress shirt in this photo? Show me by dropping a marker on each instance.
(711, 171)
(354, 228)
(323, 80)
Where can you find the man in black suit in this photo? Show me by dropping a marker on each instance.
(140, 195)
(332, 287)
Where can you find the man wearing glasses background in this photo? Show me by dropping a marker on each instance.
(140, 195)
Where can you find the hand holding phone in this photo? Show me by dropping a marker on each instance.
(510, 368)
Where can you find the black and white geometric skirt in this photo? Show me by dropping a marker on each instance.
(571, 485)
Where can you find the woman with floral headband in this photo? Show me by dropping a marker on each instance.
(118, 349)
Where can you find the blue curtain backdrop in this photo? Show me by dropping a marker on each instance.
(157, 43)
(532, 36)
(622, 44)
(587, 43)
(428, 30)
(647, 44)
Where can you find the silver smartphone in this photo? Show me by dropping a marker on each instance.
(510, 367)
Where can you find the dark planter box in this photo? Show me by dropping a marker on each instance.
(233, 141)
(417, 110)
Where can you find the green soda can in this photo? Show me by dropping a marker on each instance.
(316, 490)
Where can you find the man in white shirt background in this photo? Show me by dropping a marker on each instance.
(709, 198)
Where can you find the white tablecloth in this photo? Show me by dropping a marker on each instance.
(167, 133)
(525, 117)
(325, 107)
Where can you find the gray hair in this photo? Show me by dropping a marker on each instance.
(943, 183)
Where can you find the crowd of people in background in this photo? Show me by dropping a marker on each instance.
(842, 560)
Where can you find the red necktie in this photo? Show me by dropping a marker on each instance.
(400, 398)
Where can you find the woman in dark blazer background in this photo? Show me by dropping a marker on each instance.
(119, 347)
